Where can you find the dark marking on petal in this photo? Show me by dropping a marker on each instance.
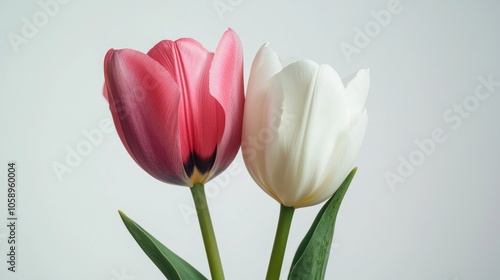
(202, 164)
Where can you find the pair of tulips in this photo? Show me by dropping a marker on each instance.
(181, 113)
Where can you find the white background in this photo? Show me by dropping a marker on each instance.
(440, 223)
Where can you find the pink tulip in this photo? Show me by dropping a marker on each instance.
(178, 109)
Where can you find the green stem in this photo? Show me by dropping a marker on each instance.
(207, 231)
(284, 222)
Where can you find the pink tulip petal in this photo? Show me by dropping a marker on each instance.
(226, 85)
(105, 92)
(144, 101)
(106, 61)
(201, 118)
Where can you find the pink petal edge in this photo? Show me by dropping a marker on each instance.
(226, 85)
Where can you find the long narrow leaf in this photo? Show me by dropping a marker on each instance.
(311, 258)
(171, 265)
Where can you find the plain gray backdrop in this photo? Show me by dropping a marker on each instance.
(423, 205)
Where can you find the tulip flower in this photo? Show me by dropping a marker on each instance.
(302, 129)
(179, 108)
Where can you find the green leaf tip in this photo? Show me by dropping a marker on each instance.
(311, 259)
(171, 265)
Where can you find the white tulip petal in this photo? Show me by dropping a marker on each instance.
(357, 87)
(301, 160)
(288, 60)
(356, 136)
(265, 65)
(302, 128)
(347, 161)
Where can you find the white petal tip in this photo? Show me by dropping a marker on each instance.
(365, 71)
(362, 76)
(265, 48)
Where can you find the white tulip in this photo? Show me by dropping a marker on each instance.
(302, 127)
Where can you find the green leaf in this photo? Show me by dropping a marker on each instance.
(311, 258)
(171, 265)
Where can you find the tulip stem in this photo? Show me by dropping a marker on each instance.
(207, 231)
(278, 253)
